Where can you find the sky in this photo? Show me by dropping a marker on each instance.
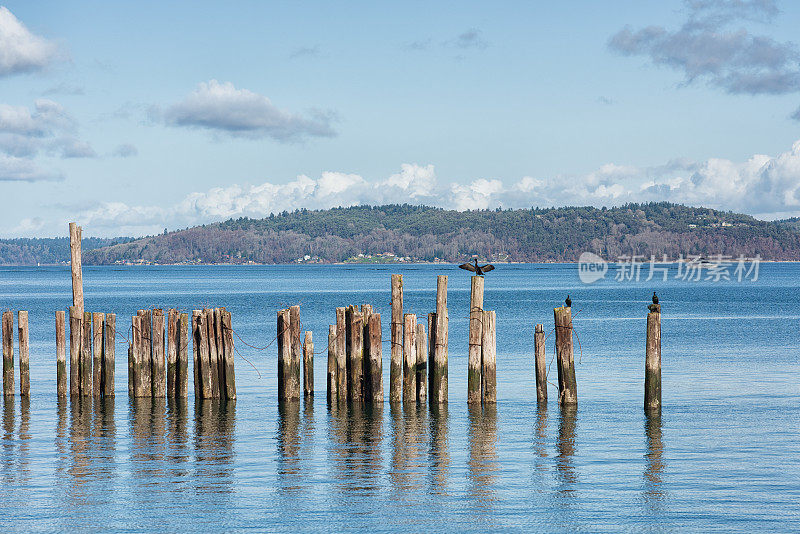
(133, 117)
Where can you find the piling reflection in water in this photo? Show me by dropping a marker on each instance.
(409, 437)
(439, 456)
(289, 467)
(653, 486)
(16, 441)
(356, 434)
(214, 431)
(567, 476)
(540, 463)
(483, 461)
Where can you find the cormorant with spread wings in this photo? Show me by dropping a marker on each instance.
(480, 270)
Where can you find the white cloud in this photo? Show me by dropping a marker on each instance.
(222, 107)
(13, 169)
(25, 132)
(20, 50)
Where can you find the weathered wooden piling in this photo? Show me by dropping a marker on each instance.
(24, 354)
(109, 354)
(159, 370)
(340, 346)
(308, 365)
(652, 366)
(219, 338)
(8, 353)
(75, 329)
(205, 374)
(489, 358)
(296, 343)
(227, 341)
(76, 269)
(540, 356)
(213, 356)
(475, 340)
(182, 371)
(438, 339)
(355, 354)
(422, 364)
(284, 356)
(98, 319)
(137, 346)
(332, 365)
(86, 355)
(374, 360)
(61, 354)
(146, 353)
(172, 351)
(567, 385)
(397, 328)
(409, 357)
(196, 354)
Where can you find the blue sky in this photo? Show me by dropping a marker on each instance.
(133, 117)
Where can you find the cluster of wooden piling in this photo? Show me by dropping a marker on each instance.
(290, 353)
(355, 356)
(214, 374)
(91, 353)
(8, 353)
(482, 364)
(149, 374)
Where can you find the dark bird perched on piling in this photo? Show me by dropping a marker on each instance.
(480, 270)
(655, 306)
(568, 302)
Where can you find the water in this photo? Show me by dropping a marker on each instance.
(724, 455)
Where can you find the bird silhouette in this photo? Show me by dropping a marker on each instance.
(480, 270)
(655, 306)
(568, 302)
(655, 298)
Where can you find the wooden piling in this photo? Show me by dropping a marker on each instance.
(86, 355)
(76, 269)
(218, 335)
(438, 336)
(182, 370)
(409, 357)
(355, 354)
(146, 352)
(141, 388)
(131, 387)
(652, 366)
(374, 360)
(397, 327)
(8, 353)
(340, 346)
(205, 374)
(422, 363)
(284, 355)
(489, 358)
(213, 356)
(197, 378)
(567, 385)
(61, 354)
(540, 356)
(308, 365)
(475, 340)
(109, 354)
(159, 371)
(296, 351)
(24, 354)
(430, 339)
(75, 329)
(332, 365)
(227, 340)
(98, 319)
(172, 351)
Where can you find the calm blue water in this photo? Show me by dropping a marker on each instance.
(724, 455)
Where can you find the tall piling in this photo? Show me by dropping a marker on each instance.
(374, 360)
(75, 330)
(340, 346)
(109, 354)
(227, 339)
(182, 371)
(76, 268)
(489, 358)
(331, 374)
(8, 353)
(61, 354)
(652, 367)
(540, 356)
(308, 365)
(422, 363)
(98, 320)
(24, 354)
(296, 342)
(397, 328)
(409, 357)
(475, 340)
(355, 354)
(284, 355)
(567, 385)
(438, 338)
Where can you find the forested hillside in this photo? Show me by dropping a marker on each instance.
(388, 233)
(47, 251)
